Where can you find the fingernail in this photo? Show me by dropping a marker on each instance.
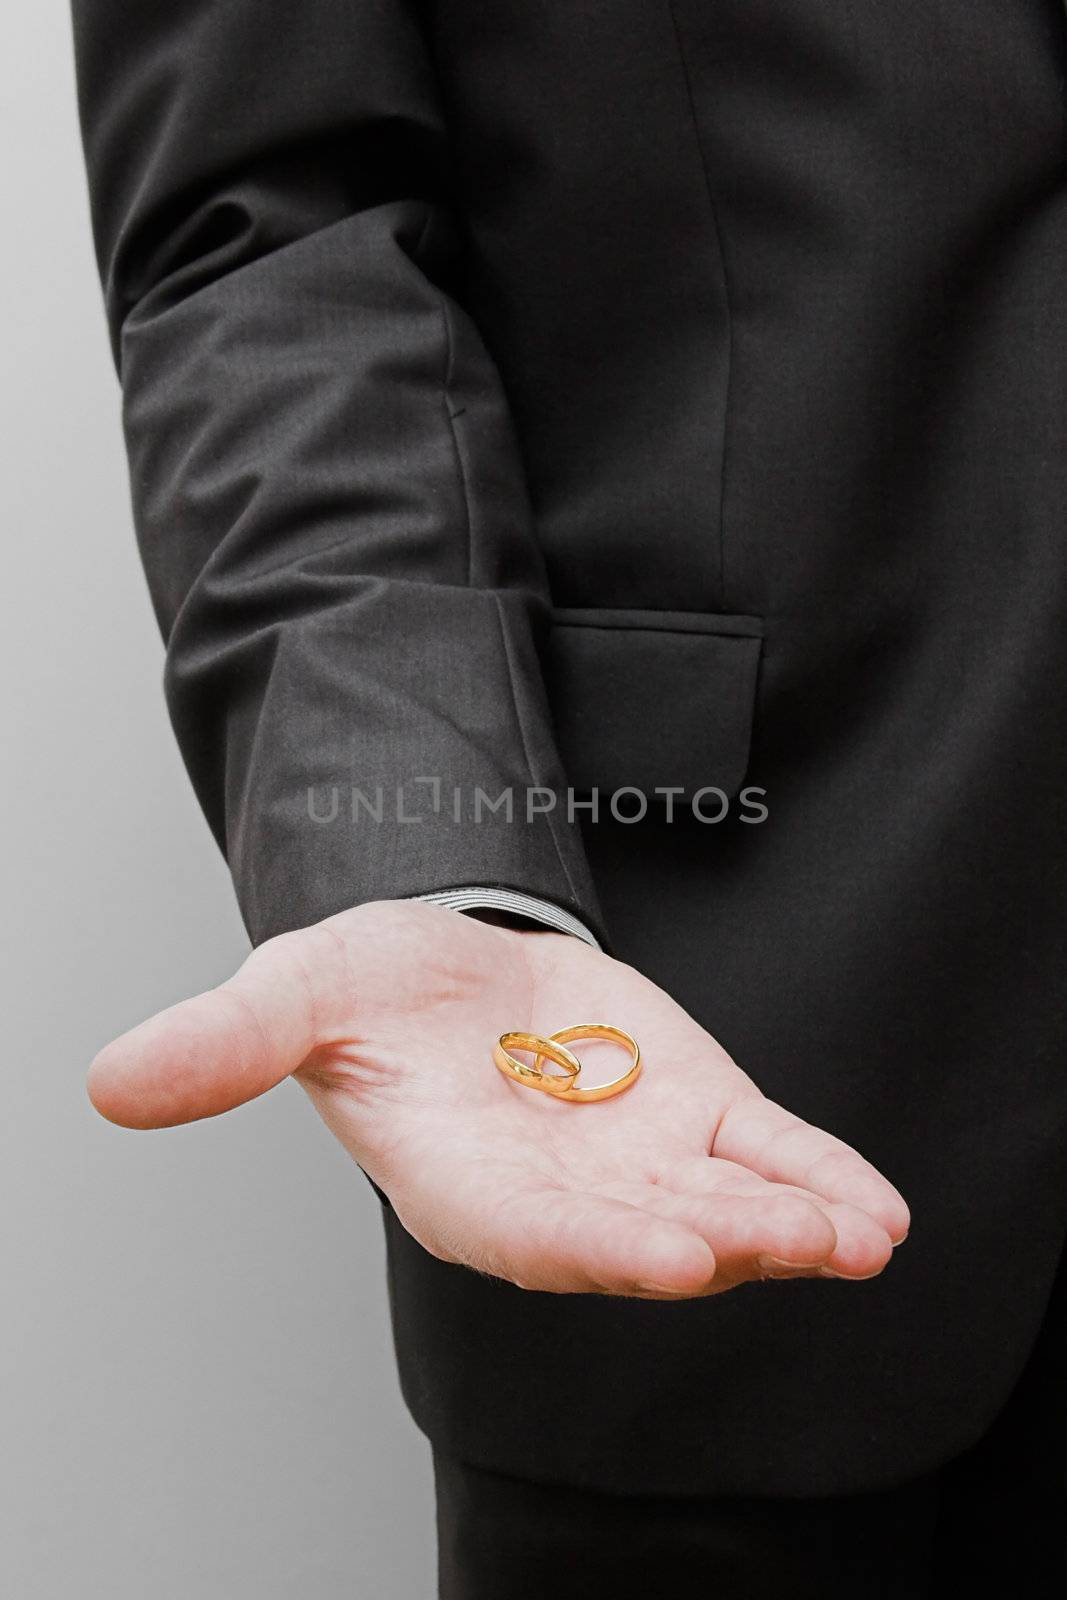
(659, 1288)
(828, 1272)
(773, 1264)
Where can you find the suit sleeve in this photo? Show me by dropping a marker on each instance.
(327, 492)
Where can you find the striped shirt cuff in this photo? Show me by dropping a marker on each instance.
(511, 901)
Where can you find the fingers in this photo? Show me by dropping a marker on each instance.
(764, 1137)
(754, 1238)
(659, 1244)
(861, 1248)
(222, 1048)
(570, 1243)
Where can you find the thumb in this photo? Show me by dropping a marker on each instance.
(228, 1045)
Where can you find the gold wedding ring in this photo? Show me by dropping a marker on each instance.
(531, 1076)
(599, 1030)
(565, 1086)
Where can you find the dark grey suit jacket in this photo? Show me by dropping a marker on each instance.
(654, 394)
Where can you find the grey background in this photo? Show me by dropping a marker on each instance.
(198, 1398)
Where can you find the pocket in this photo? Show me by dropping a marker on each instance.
(653, 699)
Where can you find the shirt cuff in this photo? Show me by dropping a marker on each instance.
(514, 904)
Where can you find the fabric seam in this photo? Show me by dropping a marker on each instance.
(727, 297)
(549, 816)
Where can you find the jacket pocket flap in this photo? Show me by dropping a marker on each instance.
(653, 699)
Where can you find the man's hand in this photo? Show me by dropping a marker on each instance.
(687, 1184)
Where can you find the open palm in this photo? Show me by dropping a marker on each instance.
(688, 1183)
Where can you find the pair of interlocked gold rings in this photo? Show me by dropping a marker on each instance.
(564, 1085)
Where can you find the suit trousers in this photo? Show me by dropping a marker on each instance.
(993, 1517)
